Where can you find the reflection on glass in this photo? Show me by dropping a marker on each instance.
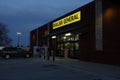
(71, 42)
(76, 46)
(77, 37)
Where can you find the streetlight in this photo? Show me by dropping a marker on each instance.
(18, 41)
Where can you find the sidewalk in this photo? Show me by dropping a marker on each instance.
(102, 71)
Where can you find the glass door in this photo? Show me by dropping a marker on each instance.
(70, 42)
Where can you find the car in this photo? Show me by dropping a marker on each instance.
(9, 52)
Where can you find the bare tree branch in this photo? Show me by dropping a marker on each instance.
(4, 38)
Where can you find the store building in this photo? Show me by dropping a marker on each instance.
(89, 33)
(38, 38)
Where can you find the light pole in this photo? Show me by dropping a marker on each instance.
(18, 40)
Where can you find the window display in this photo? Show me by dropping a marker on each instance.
(70, 42)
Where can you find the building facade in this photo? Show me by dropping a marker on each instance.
(89, 33)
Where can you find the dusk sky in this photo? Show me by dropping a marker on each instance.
(26, 15)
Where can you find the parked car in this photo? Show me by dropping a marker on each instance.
(9, 52)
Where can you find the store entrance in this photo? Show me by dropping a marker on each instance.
(68, 45)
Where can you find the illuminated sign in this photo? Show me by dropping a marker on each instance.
(67, 20)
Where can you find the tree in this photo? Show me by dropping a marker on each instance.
(4, 38)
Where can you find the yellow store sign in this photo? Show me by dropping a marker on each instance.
(67, 20)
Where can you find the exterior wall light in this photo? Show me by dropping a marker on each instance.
(64, 37)
(53, 37)
(67, 34)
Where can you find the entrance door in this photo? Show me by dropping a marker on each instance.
(68, 45)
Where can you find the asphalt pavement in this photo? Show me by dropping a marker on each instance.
(36, 68)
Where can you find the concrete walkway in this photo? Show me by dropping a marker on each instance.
(101, 71)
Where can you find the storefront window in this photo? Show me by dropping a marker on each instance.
(67, 38)
(77, 37)
(76, 46)
(70, 42)
(72, 38)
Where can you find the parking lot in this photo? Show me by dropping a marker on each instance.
(35, 68)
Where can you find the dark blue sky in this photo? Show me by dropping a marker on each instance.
(26, 15)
